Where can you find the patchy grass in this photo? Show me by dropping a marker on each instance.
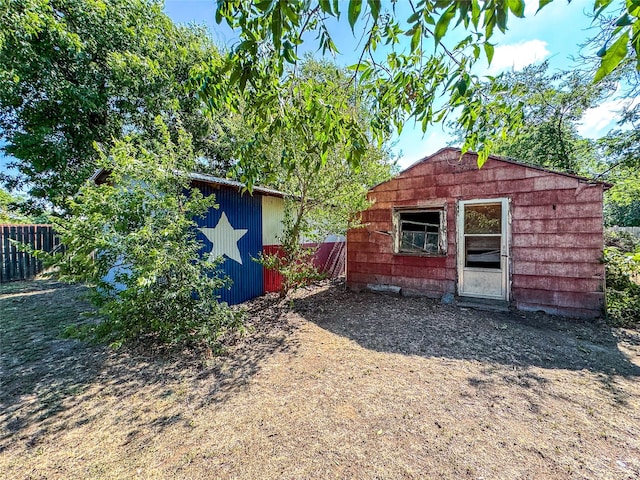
(342, 385)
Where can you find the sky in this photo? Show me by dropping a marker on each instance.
(552, 34)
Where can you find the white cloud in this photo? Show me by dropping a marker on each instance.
(518, 55)
(531, 8)
(596, 122)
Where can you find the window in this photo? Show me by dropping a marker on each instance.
(483, 235)
(420, 232)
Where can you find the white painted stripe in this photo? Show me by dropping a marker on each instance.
(272, 220)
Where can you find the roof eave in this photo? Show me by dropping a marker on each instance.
(100, 175)
(499, 158)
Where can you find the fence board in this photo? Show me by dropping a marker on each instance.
(19, 265)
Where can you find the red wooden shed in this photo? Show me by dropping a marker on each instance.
(508, 232)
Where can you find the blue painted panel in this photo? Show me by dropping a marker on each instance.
(235, 230)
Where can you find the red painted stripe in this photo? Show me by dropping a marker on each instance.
(272, 279)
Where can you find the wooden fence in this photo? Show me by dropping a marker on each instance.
(19, 265)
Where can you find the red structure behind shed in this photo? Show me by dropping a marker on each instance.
(508, 232)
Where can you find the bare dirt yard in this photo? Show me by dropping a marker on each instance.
(333, 385)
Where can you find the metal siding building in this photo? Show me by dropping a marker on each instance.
(244, 225)
(240, 228)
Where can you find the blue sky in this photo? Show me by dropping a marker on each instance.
(553, 34)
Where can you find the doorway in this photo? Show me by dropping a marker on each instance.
(483, 248)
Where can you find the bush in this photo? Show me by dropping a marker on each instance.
(295, 264)
(622, 260)
(624, 241)
(133, 241)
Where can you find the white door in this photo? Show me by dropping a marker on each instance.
(483, 248)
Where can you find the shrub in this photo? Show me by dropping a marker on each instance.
(622, 260)
(295, 264)
(132, 240)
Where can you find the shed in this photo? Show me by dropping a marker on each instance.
(507, 232)
(243, 225)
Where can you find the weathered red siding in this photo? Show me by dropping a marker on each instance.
(556, 232)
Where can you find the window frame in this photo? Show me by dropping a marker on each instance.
(440, 209)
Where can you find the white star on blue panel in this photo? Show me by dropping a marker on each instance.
(224, 239)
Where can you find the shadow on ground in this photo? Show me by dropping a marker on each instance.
(425, 327)
(46, 381)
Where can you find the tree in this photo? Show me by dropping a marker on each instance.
(12, 210)
(405, 82)
(326, 191)
(133, 241)
(8, 212)
(551, 106)
(77, 72)
(625, 214)
(619, 149)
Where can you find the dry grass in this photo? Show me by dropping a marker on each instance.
(341, 386)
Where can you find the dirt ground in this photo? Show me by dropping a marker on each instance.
(332, 385)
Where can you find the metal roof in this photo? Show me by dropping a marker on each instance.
(224, 182)
(101, 175)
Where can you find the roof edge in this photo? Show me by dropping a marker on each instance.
(512, 161)
(100, 175)
(206, 178)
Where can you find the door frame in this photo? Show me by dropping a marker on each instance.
(505, 246)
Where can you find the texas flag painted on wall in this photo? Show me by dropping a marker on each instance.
(238, 230)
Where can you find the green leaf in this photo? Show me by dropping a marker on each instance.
(516, 7)
(325, 6)
(276, 27)
(264, 6)
(488, 50)
(463, 14)
(483, 155)
(374, 6)
(501, 20)
(615, 54)
(289, 53)
(636, 42)
(542, 4)
(290, 13)
(415, 39)
(600, 4)
(443, 23)
(355, 6)
(475, 13)
(413, 18)
(462, 85)
(624, 21)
